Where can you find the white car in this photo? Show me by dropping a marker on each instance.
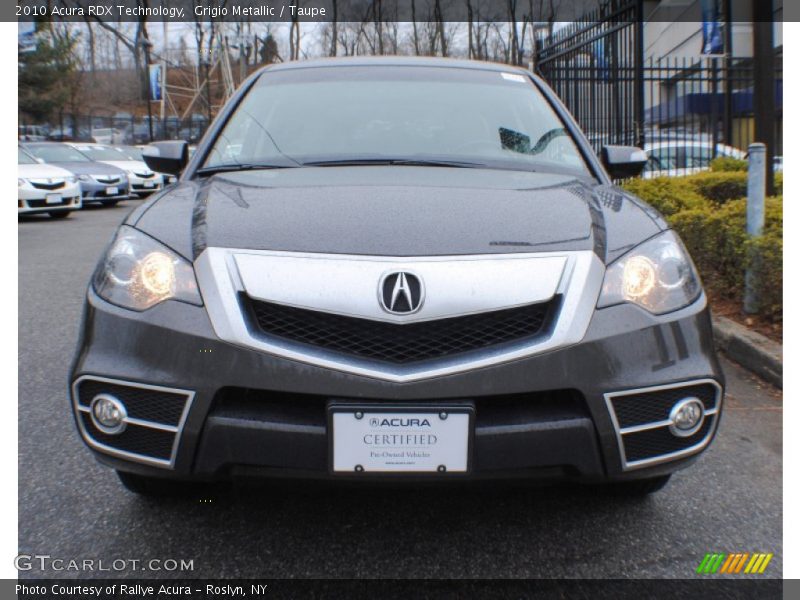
(676, 158)
(45, 188)
(106, 135)
(143, 180)
(135, 153)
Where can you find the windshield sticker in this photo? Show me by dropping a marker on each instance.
(513, 77)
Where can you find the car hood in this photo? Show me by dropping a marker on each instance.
(129, 165)
(397, 211)
(89, 168)
(39, 170)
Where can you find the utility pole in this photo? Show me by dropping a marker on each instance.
(764, 84)
(164, 71)
(146, 44)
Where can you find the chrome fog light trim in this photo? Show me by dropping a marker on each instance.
(686, 417)
(108, 414)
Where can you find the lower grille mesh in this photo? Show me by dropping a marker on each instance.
(141, 403)
(657, 442)
(153, 424)
(136, 439)
(649, 407)
(402, 343)
(645, 412)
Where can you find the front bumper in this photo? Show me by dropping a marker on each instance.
(244, 412)
(31, 200)
(142, 186)
(94, 192)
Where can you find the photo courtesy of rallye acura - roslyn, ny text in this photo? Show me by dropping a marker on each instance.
(428, 276)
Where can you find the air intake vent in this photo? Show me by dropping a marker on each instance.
(643, 421)
(153, 421)
(402, 343)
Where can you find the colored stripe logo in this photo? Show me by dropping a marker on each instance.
(738, 562)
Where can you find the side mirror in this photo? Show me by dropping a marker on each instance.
(623, 162)
(166, 157)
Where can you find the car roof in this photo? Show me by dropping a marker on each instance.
(394, 61)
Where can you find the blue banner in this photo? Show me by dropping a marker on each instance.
(712, 27)
(156, 93)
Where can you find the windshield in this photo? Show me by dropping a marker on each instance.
(24, 159)
(57, 153)
(132, 152)
(101, 152)
(399, 113)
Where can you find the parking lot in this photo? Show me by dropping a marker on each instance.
(70, 507)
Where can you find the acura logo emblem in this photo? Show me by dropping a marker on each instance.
(401, 293)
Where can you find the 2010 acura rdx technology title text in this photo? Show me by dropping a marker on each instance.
(393, 267)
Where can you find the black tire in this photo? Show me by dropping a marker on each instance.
(639, 487)
(155, 486)
(60, 214)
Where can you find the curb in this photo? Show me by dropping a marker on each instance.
(752, 350)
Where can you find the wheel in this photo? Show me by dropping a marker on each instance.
(155, 486)
(59, 214)
(639, 487)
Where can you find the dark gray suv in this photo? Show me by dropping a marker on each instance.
(394, 268)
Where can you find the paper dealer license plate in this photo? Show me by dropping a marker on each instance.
(400, 439)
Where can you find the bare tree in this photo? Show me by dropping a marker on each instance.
(294, 32)
(333, 25)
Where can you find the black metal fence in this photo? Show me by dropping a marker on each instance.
(594, 65)
(684, 110)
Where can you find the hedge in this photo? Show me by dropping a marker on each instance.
(720, 187)
(718, 242)
(708, 210)
(668, 195)
(727, 164)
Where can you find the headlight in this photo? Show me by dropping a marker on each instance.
(84, 177)
(71, 179)
(21, 182)
(658, 275)
(138, 273)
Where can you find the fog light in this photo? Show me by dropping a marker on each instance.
(108, 414)
(686, 417)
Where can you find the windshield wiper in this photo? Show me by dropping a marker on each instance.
(406, 162)
(233, 167)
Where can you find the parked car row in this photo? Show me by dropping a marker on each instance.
(122, 128)
(57, 178)
(676, 158)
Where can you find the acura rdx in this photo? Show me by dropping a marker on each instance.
(415, 269)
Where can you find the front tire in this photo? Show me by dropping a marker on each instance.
(60, 214)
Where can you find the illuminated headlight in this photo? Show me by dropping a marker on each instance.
(138, 273)
(658, 275)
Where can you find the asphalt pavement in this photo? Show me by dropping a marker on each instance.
(70, 507)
